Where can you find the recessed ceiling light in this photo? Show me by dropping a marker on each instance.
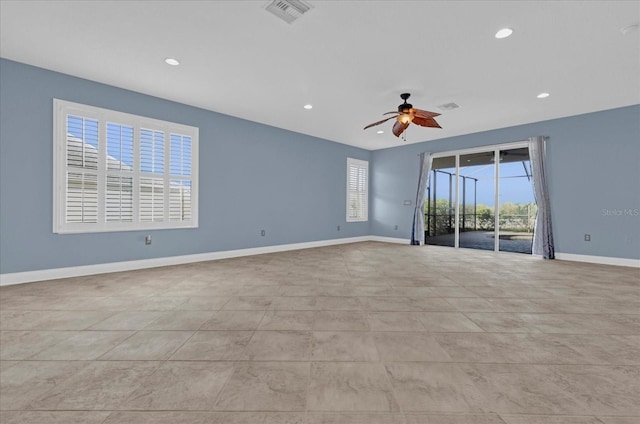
(308, 107)
(171, 61)
(380, 132)
(504, 33)
(542, 95)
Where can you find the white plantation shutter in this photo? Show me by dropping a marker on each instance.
(151, 199)
(119, 173)
(82, 197)
(357, 190)
(116, 172)
(180, 173)
(119, 199)
(81, 151)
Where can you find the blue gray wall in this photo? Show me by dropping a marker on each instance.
(255, 177)
(252, 177)
(593, 172)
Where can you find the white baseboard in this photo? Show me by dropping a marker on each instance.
(78, 271)
(390, 240)
(603, 260)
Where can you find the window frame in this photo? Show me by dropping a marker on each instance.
(62, 109)
(359, 163)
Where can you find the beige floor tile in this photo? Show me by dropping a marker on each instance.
(266, 386)
(248, 303)
(53, 417)
(203, 303)
(213, 346)
(188, 385)
(165, 417)
(579, 324)
(390, 304)
(447, 322)
(620, 420)
(83, 346)
(257, 417)
(523, 389)
(350, 387)
(466, 336)
(453, 292)
(18, 345)
(294, 303)
(602, 390)
(409, 346)
(344, 346)
(394, 321)
(27, 380)
(278, 346)
(234, 320)
(127, 321)
(287, 320)
(97, 386)
(180, 320)
(453, 419)
(497, 322)
(435, 387)
(340, 321)
(7, 364)
(549, 419)
(51, 320)
(347, 303)
(355, 418)
(464, 304)
(148, 346)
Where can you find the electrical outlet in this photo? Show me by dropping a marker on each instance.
(587, 237)
(338, 228)
(147, 240)
(396, 227)
(263, 233)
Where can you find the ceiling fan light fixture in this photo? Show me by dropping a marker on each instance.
(504, 33)
(405, 118)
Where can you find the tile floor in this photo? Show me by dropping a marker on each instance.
(366, 333)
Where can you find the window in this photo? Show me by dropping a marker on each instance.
(357, 190)
(116, 172)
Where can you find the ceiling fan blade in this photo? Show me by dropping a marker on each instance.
(425, 122)
(424, 113)
(399, 127)
(389, 113)
(379, 122)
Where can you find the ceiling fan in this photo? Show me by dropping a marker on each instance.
(407, 114)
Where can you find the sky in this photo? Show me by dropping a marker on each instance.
(514, 185)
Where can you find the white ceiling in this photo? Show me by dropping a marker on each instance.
(349, 59)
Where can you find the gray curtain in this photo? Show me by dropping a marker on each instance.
(417, 231)
(542, 234)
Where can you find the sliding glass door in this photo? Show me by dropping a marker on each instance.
(440, 202)
(477, 195)
(481, 199)
(517, 207)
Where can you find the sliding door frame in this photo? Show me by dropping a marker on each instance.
(495, 148)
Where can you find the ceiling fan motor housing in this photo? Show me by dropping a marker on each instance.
(405, 107)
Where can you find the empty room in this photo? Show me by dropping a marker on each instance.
(319, 212)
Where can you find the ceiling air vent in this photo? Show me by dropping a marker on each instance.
(288, 10)
(448, 106)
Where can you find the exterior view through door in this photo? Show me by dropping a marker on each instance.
(481, 199)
